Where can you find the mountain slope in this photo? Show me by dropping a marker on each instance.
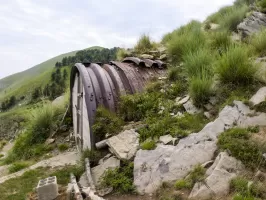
(37, 75)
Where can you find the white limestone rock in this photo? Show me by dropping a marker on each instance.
(125, 144)
(259, 97)
(217, 184)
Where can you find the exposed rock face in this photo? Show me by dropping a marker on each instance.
(217, 184)
(252, 24)
(98, 171)
(166, 139)
(125, 144)
(170, 163)
(259, 97)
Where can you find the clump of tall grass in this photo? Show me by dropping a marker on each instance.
(200, 89)
(187, 39)
(262, 5)
(121, 54)
(258, 41)
(235, 67)
(233, 17)
(199, 63)
(144, 45)
(217, 16)
(220, 41)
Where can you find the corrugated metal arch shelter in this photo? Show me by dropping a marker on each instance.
(93, 85)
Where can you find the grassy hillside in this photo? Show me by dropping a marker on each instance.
(20, 83)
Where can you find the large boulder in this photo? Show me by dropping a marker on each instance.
(125, 144)
(170, 163)
(219, 175)
(252, 24)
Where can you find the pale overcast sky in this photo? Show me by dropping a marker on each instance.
(32, 31)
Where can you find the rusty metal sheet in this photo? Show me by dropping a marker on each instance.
(113, 73)
(161, 64)
(89, 94)
(96, 86)
(127, 84)
(150, 63)
(108, 98)
(135, 60)
(134, 79)
(114, 91)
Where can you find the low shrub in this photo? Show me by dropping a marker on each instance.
(17, 166)
(235, 67)
(173, 73)
(258, 41)
(182, 184)
(93, 156)
(106, 122)
(148, 145)
(63, 147)
(240, 197)
(177, 89)
(137, 106)
(239, 185)
(238, 142)
(121, 179)
(200, 90)
(262, 5)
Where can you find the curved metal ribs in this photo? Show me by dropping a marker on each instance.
(102, 85)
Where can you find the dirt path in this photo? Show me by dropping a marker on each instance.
(68, 158)
(6, 148)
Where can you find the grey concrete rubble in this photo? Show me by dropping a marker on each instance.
(47, 189)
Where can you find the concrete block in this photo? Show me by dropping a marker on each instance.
(47, 189)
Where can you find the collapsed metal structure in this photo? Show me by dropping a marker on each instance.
(94, 84)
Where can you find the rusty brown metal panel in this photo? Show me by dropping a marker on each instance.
(150, 63)
(133, 78)
(113, 89)
(96, 86)
(89, 95)
(107, 93)
(135, 60)
(126, 82)
(111, 70)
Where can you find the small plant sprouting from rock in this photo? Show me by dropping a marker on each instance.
(148, 145)
(121, 179)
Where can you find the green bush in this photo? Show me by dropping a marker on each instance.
(182, 184)
(187, 39)
(258, 41)
(262, 5)
(238, 142)
(106, 122)
(173, 73)
(148, 145)
(121, 54)
(177, 89)
(220, 40)
(240, 197)
(239, 185)
(200, 90)
(121, 179)
(93, 156)
(235, 67)
(233, 17)
(137, 106)
(17, 166)
(199, 63)
(63, 147)
(144, 45)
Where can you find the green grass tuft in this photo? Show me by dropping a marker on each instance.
(235, 67)
(17, 166)
(63, 147)
(258, 41)
(144, 45)
(148, 145)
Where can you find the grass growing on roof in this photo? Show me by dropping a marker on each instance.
(144, 44)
